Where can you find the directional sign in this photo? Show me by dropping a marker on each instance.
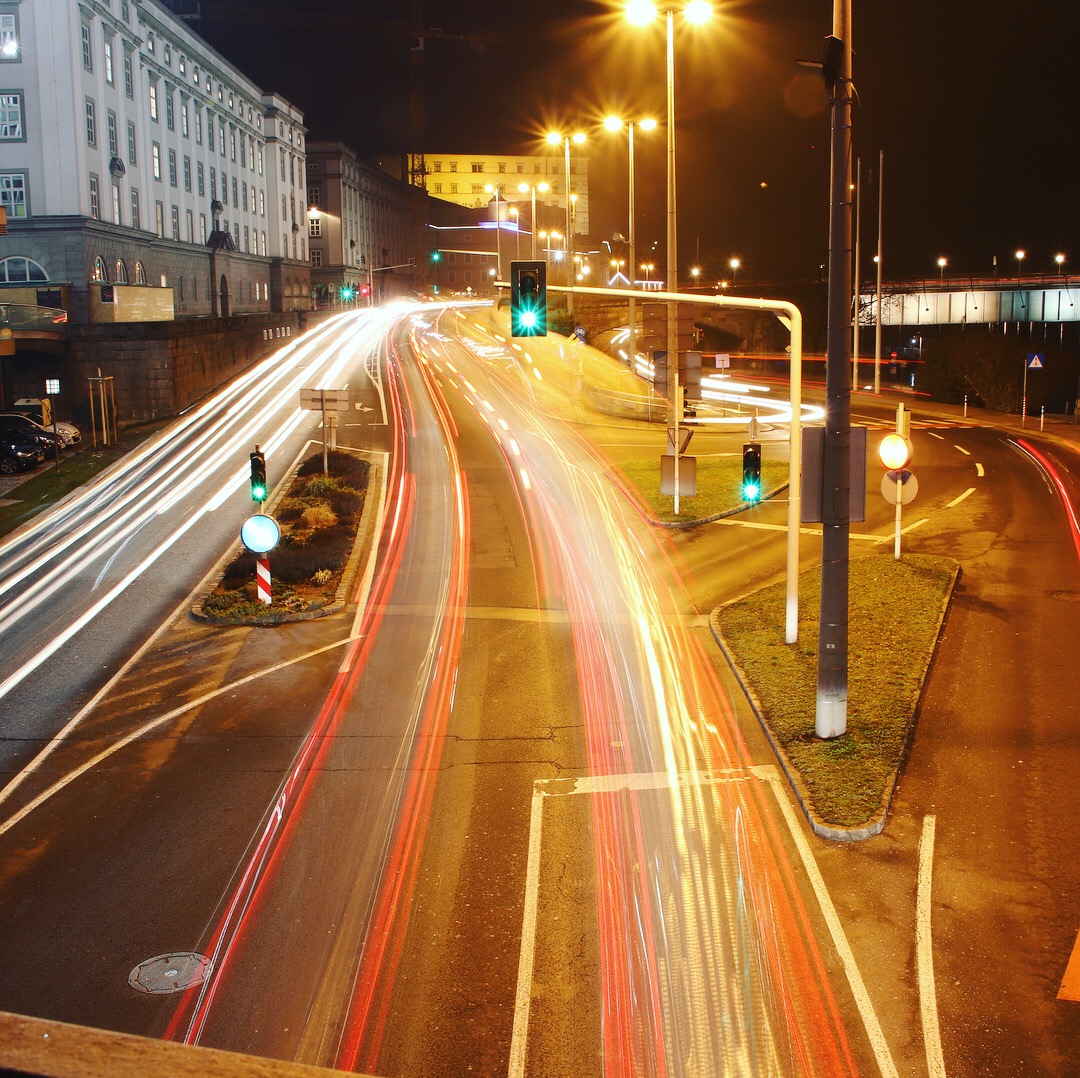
(333, 400)
(1036, 361)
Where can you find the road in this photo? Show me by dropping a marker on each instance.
(504, 814)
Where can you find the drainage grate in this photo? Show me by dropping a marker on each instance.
(170, 972)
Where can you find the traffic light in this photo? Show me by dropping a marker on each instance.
(751, 472)
(347, 292)
(258, 476)
(528, 299)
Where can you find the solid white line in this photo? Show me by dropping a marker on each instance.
(960, 497)
(924, 953)
(523, 997)
(769, 773)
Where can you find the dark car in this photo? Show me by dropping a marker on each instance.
(18, 456)
(17, 428)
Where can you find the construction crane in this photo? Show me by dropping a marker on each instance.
(195, 11)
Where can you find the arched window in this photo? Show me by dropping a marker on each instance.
(120, 276)
(100, 272)
(18, 270)
(140, 273)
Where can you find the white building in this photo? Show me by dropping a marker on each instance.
(131, 153)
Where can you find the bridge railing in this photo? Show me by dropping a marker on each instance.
(26, 318)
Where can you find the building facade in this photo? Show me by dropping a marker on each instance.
(365, 229)
(464, 179)
(132, 154)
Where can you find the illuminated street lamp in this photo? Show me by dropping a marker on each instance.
(613, 123)
(695, 272)
(533, 187)
(1019, 256)
(640, 13)
(1060, 260)
(554, 138)
(735, 264)
(647, 268)
(942, 262)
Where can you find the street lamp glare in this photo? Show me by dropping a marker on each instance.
(648, 124)
(640, 12)
(1059, 259)
(553, 137)
(698, 12)
(1020, 255)
(942, 262)
(612, 123)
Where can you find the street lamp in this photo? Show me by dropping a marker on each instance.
(647, 268)
(942, 262)
(613, 123)
(735, 264)
(640, 13)
(1060, 260)
(554, 138)
(1020, 256)
(695, 272)
(493, 188)
(533, 187)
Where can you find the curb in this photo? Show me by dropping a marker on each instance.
(820, 828)
(360, 546)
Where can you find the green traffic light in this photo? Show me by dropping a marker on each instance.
(751, 492)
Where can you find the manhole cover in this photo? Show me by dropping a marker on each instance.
(170, 972)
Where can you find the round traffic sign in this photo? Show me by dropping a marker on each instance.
(909, 486)
(260, 533)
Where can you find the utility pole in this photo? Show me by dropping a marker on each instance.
(832, 688)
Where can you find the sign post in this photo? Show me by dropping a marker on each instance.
(260, 534)
(324, 400)
(899, 484)
(1036, 361)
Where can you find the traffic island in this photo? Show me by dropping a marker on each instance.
(896, 610)
(323, 521)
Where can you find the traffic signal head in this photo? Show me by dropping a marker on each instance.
(258, 477)
(751, 472)
(528, 299)
(347, 292)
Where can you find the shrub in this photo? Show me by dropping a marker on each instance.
(319, 516)
(344, 466)
(346, 502)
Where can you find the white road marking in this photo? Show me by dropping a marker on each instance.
(924, 953)
(966, 452)
(980, 471)
(960, 497)
(771, 774)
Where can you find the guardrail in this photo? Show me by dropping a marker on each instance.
(26, 318)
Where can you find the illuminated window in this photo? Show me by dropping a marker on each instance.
(140, 273)
(100, 272)
(120, 276)
(11, 118)
(9, 37)
(108, 62)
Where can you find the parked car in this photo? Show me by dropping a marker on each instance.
(21, 428)
(31, 406)
(16, 456)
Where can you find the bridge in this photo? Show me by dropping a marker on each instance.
(26, 327)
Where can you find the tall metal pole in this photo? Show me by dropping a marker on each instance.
(672, 282)
(532, 222)
(568, 243)
(855, 289)
(880, 258)
(633, 258)
(498, 237)
(832, 687)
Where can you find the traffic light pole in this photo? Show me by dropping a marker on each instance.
(791, 317)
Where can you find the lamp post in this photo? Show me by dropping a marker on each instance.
(554, 138)
(613, 123)
(494, 188)
(641, 12)
(735, 264)
(523, 187)
(942, 262)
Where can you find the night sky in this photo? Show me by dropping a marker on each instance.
(971, 103)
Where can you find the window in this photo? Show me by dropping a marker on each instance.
(247, 239)
(190, 226)
(235, 201)
(244, 196)
(108, 62)
(284, 209)
(170, 113)
(140, 273)
(184, 119)
(159, 218)
(168, 54)
(453, 189)
(15, 269)
(129, 75)
(232, 143)
(198, 125)
(314, 226)
(187, 173)
(116, 204)
(316, 257)
(262, 202)
(213, 182)
(183, 65)
(87, 49)
(134, 208)
(9, 37)
(153, 102)
(478, 166)
(202, 228)
(200, 178)
(91, 124)
(172, 168)
(262, 244)
(453, 166)
(13, 193)
(110, 126)
(95, 198)
(438, 188)
(11, 118)
(125, 12)
(174, 220)
(210, 130)
(313, 196)
(131, 142)
(438, 166)
(155, 154)
(100, 272)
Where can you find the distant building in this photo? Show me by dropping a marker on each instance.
(464, 180)
(365, 229)
(133, 155)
